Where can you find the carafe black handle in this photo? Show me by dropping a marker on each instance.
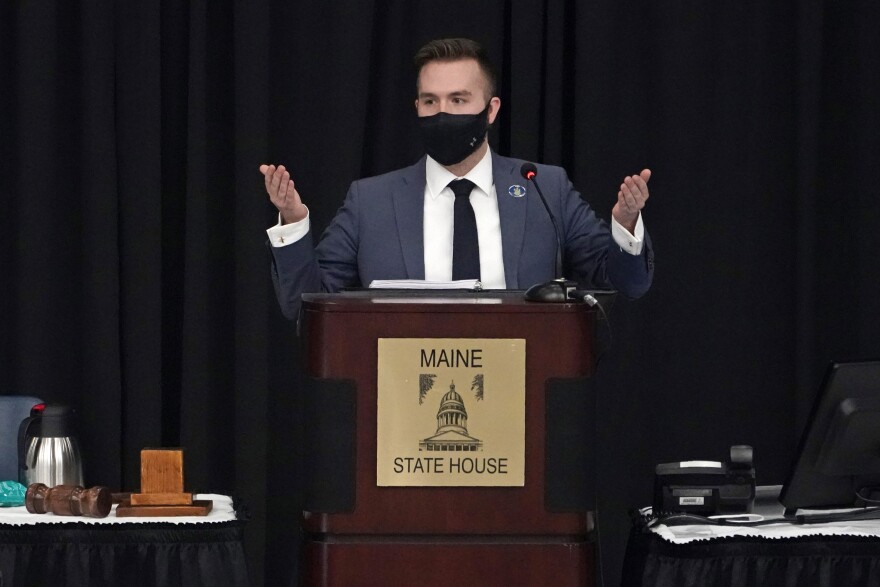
(22, 443)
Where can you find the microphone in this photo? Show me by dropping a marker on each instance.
(556, 290)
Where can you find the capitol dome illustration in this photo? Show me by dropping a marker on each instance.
(452, 434)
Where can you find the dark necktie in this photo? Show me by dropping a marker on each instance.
(465, 246)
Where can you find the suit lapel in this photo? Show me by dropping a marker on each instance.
(512, 213)
(409, 210)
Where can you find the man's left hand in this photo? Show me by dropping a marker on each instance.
(631, 199)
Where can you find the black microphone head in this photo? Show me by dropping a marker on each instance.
(528, 170)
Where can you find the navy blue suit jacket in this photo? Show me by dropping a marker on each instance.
(378, 234)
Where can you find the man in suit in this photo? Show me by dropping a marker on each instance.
(418, 222)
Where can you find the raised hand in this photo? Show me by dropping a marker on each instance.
(283, 194)
(631, 199)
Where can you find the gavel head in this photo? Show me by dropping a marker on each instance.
(68, 500)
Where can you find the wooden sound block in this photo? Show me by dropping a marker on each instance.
(199, 507)
(161, 499)
(162, 470)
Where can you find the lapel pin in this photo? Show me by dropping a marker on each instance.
(517, 191)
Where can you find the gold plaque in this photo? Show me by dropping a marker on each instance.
(451, 412)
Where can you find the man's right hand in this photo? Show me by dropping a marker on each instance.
(283, 194)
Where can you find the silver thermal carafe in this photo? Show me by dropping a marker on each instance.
(48, 450)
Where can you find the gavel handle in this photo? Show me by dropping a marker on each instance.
(121, 497)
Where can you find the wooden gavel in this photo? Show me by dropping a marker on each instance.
(68, 500)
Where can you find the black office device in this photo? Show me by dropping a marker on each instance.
(706, 487)
(838, 459)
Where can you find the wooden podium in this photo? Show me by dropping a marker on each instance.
(358, 533)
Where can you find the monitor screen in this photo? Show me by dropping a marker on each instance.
(838, 458)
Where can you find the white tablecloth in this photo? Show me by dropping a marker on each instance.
(767, 508)
(221, 512)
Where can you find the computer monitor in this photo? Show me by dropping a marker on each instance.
(838, 459)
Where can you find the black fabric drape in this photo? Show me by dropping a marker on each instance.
(135, 283)
(139, 554)
(815, 561)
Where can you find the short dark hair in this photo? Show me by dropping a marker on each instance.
(455, 50)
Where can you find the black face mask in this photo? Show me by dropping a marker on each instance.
(450, 138)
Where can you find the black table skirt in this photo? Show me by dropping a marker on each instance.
(826, 561)
(123, 554)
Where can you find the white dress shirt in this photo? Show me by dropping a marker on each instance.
(438, 225)
(439, 216)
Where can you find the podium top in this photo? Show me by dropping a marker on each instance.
(392, 300)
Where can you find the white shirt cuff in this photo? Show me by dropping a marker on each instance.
(282, 235)
(631, 243)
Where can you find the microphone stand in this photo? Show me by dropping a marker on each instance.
(556, 290)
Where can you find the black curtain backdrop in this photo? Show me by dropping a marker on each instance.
(135, 283)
